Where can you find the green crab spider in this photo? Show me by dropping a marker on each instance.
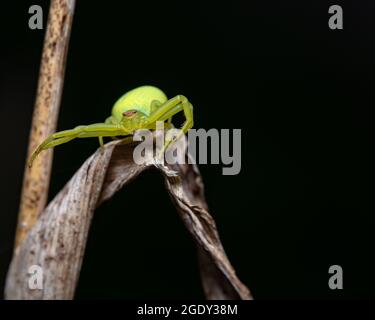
(139, 108)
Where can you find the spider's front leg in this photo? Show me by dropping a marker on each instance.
(165, 112)
(92, 130)
(168, 109)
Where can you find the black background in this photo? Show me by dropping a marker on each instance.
(300, 92)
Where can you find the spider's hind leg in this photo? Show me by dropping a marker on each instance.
(109, 120)
(101, 142)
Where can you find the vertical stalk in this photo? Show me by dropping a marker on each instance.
(50, 86)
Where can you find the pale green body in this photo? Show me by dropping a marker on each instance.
(139, 108)
(140, 99)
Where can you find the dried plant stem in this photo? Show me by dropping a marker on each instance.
(50, 87)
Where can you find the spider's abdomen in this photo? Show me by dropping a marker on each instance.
(139, 99)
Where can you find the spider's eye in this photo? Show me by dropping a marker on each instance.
(129, 113)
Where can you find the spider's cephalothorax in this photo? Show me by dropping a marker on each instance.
(139, 108)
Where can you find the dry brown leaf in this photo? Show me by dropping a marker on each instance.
(57, 241)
